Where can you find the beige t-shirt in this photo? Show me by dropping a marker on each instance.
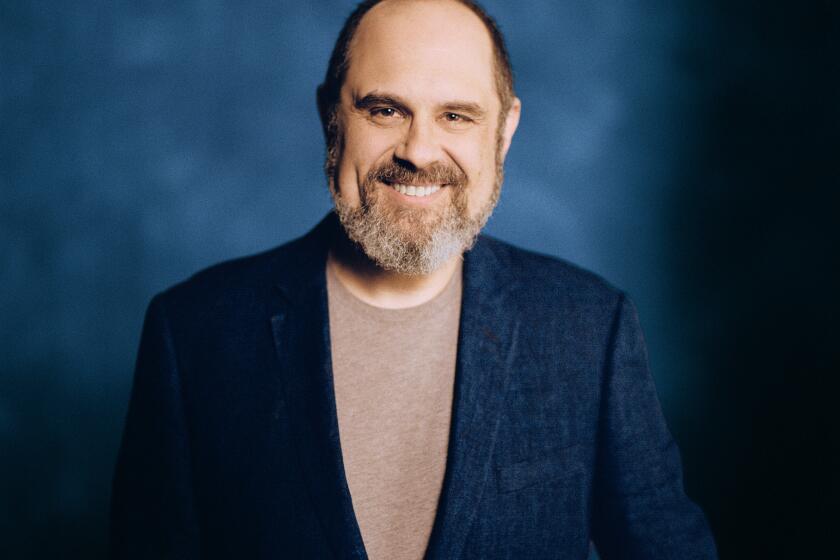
(394, 371)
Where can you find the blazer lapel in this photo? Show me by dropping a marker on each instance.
(301, 336)
(487, 345)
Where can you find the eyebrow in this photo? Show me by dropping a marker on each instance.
(374, 99)
(473, 110)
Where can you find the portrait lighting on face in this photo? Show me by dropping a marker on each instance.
(416, 147)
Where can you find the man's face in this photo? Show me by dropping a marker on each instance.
(417, 167)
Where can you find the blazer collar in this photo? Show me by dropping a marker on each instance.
(302, 267)
(487, 343)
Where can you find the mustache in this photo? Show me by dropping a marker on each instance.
(436, 174)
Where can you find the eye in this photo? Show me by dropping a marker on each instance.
(384, 113)
(456, 121)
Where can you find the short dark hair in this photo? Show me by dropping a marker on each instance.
(330, 91)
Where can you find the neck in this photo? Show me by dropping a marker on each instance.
(383, 288)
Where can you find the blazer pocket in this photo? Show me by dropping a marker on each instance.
(524, 474)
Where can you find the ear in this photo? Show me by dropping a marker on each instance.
(510, 124)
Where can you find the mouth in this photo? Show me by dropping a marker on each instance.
(417, 191)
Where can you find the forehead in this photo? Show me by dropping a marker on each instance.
(427, 49)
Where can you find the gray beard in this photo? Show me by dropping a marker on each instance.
(411, 241)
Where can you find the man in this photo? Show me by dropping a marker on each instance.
(385, 386)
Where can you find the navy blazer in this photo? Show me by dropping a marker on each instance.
(231, 446)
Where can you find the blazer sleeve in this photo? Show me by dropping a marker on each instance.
(152, 512)
(640, 509)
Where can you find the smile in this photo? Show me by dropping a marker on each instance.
(415, 190)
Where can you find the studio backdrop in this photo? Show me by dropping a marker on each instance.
(659, 142)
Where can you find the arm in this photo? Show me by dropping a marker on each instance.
(640, 509)
(152, 514)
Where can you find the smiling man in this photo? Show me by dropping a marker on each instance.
(394, 385)
(434, 134)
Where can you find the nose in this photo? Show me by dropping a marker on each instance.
(419, 146)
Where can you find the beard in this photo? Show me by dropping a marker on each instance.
(410, 241)
(413, 241)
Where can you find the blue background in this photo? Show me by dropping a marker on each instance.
(684, 151)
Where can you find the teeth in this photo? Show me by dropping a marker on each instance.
(414, 190)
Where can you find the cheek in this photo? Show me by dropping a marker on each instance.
(347, 187)
(363, 149)
(481, 159)
(352, 164)
(367, 142)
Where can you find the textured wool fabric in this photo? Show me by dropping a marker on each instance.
(394, 371)
(232, 448)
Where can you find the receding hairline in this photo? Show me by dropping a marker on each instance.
(390, 4)
(362, 30)
(329, 90)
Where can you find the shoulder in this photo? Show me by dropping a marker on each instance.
(544, 275)
(233, 288)
(566, 315)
